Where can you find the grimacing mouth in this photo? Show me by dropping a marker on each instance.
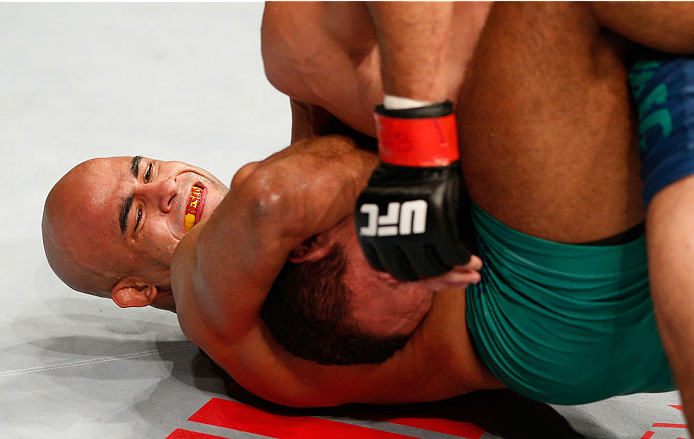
(195, 206)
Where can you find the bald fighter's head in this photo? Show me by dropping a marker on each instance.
(110, 226)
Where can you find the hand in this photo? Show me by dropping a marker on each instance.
(460, 277)
(407, 218)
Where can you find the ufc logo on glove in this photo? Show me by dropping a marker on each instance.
(401, 219)
(407, 217)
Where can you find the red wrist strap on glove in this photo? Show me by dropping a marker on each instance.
(417, 137)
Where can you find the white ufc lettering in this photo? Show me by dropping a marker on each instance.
(408, 218)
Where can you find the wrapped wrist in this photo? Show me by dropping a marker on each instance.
(423, 136)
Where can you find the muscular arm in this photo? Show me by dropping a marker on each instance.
(413, 38)
(223, 269)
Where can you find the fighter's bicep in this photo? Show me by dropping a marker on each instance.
(236, 255)
(664, 26)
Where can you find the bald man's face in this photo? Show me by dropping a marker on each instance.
(121, 218)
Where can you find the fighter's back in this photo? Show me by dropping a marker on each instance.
(547, 134)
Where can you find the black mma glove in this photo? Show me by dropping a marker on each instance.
(407, 217)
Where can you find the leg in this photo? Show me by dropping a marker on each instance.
(671, 266)
(662, 92)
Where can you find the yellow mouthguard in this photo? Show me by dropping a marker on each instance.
(190, 221)
(192, 210)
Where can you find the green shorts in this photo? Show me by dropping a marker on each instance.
(561, 323)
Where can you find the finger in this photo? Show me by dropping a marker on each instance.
(475, 263)
(460, 277)
(451, 280)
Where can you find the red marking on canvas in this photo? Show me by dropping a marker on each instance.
(460, 429)
(241, 417)
(662, 424)
(186, 434)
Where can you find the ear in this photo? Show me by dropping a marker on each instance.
(312, 249)
(130, 293)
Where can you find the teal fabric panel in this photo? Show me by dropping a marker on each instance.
(561, 323)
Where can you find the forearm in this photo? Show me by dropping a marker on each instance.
(317, 181)
(300, 191)
(224, 267)
(414, 40)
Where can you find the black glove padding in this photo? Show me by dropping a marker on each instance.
(408, 220)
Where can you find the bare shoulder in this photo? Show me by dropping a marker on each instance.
(223, 268)
(665, 26)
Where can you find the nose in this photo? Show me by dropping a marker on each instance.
(160, 193)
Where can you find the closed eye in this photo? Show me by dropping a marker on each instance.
(148, 174)
(137, 218)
